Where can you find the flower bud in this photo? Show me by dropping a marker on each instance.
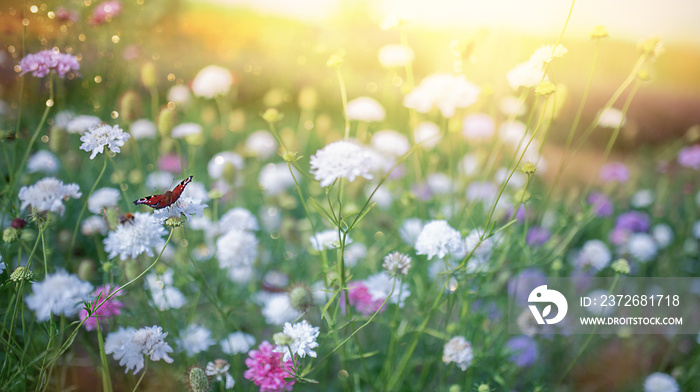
(545, 88)
(301, 298)
(272, 115)
(148, 75)
(21, 274)
(86, 269)
(621, 266)
(528, 168)
(130, 106)
(282, 339)
(166, 121)
(198, 380)
(599, 32)
(11, 234)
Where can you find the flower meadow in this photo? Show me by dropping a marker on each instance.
(331, 237)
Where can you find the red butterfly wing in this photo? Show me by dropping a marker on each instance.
(165, 199)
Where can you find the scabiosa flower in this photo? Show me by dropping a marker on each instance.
(237, 342)
(690, 157)
(642, 198)
(642, 247)
(261, 144)
(143, 235)
(237, 251)
(182, 131)
(165, 296)
(634, 221)
(103, 198)
(96, 139)
(379, 287)
(410, 230)
(218, 164)
(538, 236)
(105, 12)
(390, 143)
(59, 293)
(524, 75)
(523, 350)
(274, 178)
(611, 118)
(129, 345)
(238, 219)
(184, 206)
(43, 161)
(365, 109)
(302, 338)
(42, 63)
(219, 369)
(396, 264)
(459, 351)
(663, 235)
(267, 370)
(83, 123)
(660, 382)
(48, 194)
(101, 307)
(212, 81)
(614, 172)
(278, 309)
(394, 56)
(341, 159)
(94, 225)
(437, 238)
(444, 92)
(360, 297)
(478, 126)
(594, 255)
(143, 129)
(195, 339)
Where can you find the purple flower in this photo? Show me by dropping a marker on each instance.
(523, 350)
(602, 206)
(619, 236)
(170, 163)
(266, 369)
(690, 157)
(614, 172)
(538, 236)
(108, 308)
(634, 221)
(42, 63)
(520, 286)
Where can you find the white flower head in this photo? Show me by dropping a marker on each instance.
(184, 130)
(180, 95)
(164, 295)
(660, 382)
(478, 126)
(220, 161)
(327, 239)
(341, 159)
(611, 118)
(160, 180)
(391, 143)
(261, 143)
(219, 369)
(236, 252)
(238, 219)
(211, 81)
(274, 178)
(103, 198)
(379, 287)
(545, 54)
(365, 109)
(642, 247)
(237, 343)
(524, 75)
(445, 92)
(277, 310)
(142, 235)
(48, 194)
(459, 351)
(43, 161)
(81, 124)
(410, 230)
(195, 339)
(427, 134)
(437, 238)
(594, 255)
(59, 293)
(130, 345)
(97, 138)
(642, 198)
(303, 337)
(663, 235)
(394, 56)
(143, 129)
(184, 206)
(94, 225)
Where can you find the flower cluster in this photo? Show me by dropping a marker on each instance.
(43, 63)
(129, 345)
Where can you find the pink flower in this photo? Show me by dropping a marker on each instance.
(105, 12)
(690, 157)
(64, 14)
(109, 308)
(266, 369)
(170, 163)
(42, 63)
(361, 299)
(614, 172)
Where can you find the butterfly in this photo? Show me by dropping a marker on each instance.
(165, 199)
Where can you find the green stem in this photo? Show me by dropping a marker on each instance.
(87, 199)
(344, 96)
(145, 368)
(106, 381)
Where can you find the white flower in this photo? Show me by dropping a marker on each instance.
(81, 124)
(642, 198)
(480, 250)
(219, 368)
(354, 253)
(195, 339)
(186, 206)
(478, 126)
(393, 56)
(237, 343)
(481, 191)
(438, 239)
(410, 230)
(62, 118)
(594, 254)
(663, 235)
(2, 265)
(103, 198)
(524, 75)
(446, 92)
(143, 129)
(303, 337)
(160, 180)
(130, 345)
(660, 382)
(341, 159)
(93, 225)
(238, 219)
(142, 235)
(43, 161)
(237, 251)
(428, 134)
(278, 310)
(440, 183)
(469, 164)
(611, 118)
(696, 230)
(517, 180)
(365, 109)
(327, 239)
(180, 95)
(48, 194)
(184, 130)
(211, 81)
(512, 106)
(391, 143)
(261, 143)
(96, 139)
(59, 293)
(459, 351)
(165, 296)
(196, 190)
(512, 133)
(379, 287)
(545, 54)
(274, 178)
(221, 160)
(396, 263)
(642, 247)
